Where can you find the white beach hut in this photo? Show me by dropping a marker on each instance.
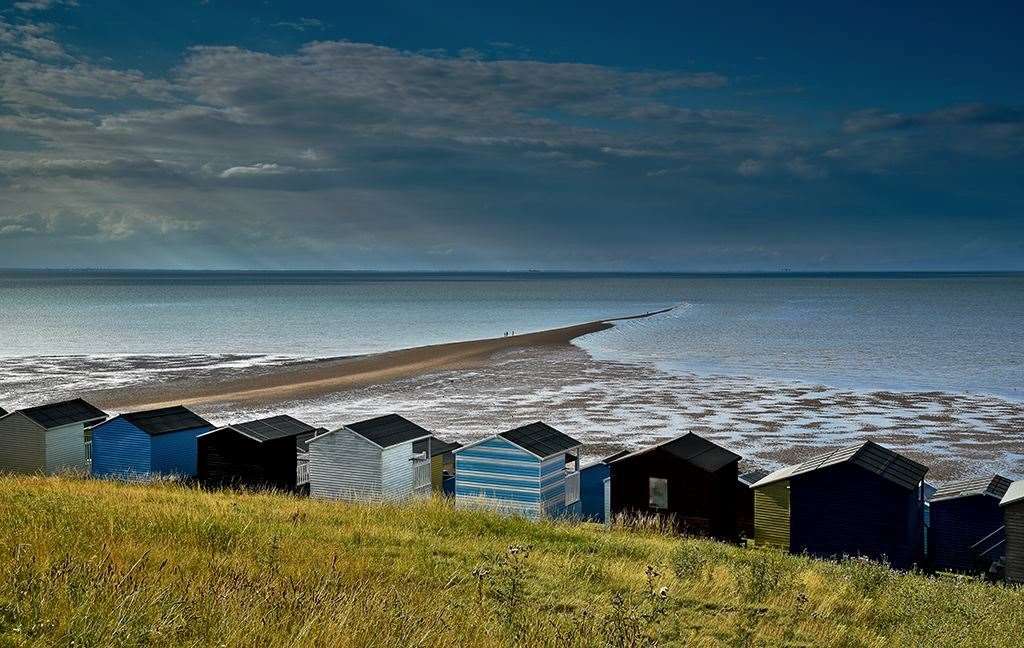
(383, 458)
(47, 438)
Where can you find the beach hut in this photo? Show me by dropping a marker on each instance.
(255, 454)
(1013, 520)
(386, 457)
(442, 462)
(688, 481)
(593, 478)
(531, 470)
(745, 501)
(140, 445)
(47, 438)
(966, 524)
(859, 500)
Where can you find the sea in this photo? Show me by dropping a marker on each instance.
(776, 364)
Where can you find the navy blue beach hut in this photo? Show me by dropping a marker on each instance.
(156, 442)
(592, 488)
(531, 470)
(966, 533)
(860, 500)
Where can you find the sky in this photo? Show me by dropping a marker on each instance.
(444, 136)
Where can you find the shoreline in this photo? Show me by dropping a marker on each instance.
(329, 375)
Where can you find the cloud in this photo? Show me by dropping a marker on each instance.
(302, 24)
(43, 5)
(875, 120)
(258, 169)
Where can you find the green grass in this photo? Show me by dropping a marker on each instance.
(91, 563)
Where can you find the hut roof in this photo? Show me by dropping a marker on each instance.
(540, 439)
(994, 486)
(691, 448)
(388, 430)
(166, 420)
(3, 412)
(271, 428)
(440, 446)
(64, 413)
(868, 455)
(752, 477)
(1014, 494)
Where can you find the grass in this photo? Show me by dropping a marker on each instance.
(92, 563)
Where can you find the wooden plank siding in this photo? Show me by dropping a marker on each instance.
(65, 448)
(437, 473)
(174, 453)
(398, 472)
(771, 515)
(956, 525)
(22, 444)
(1013, 518)
(344, 465)
(121, 450)
(497, 474)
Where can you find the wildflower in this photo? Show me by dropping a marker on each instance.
(663, 593)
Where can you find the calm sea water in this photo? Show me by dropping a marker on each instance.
(943, 332)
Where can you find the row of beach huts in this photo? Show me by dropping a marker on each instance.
(859, 500)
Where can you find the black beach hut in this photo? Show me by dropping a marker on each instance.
(687, 480)
(860, 500)
(255, 454)
(965, 533)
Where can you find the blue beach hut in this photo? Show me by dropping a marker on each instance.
(531, 470)
(139, 445)
(592, 487)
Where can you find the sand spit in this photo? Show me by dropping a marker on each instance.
(320, 377)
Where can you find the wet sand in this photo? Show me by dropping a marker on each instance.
(321, 377)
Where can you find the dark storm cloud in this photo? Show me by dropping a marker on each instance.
(349, 154)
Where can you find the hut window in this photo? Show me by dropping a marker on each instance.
(657, 489)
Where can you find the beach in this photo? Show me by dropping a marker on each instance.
(323, 377)
(774, 368)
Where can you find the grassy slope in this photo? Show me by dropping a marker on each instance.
(97, 563)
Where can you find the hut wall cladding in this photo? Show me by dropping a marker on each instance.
(229, 458)
(500, 475)
(437, 473)
(772, 515)
(22, 444)
(344, 465)
(847, 510)
(397, 471)
(702, 502)
(1013, 518)
(552, 485)
(119, 449)
(956, 525)
(174, 453)
(592, 491)
(65, 448)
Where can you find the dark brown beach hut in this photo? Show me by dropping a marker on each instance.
(688, 480)
(1013, 518)
(255, 454)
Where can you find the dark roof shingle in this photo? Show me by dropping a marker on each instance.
(540, 439)
(440, 447)
(868, 455)
(166, 420)
(995, 486)
(64, 413)
(273, 427)
(691, 448)
(388, 430)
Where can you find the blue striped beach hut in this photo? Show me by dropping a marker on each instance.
(145, 444)
(531, 470)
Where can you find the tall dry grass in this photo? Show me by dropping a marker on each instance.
(91, 563)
